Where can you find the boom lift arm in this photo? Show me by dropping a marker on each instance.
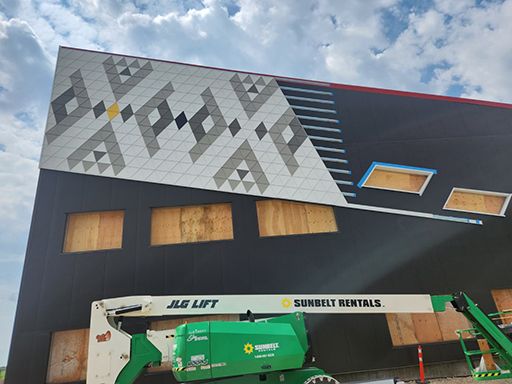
(202, 351)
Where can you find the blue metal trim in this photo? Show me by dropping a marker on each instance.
(458, 219)
(430, 170)
(306, 90)
(322, 128)
(319, 119)
(344, 171)
(325, 139)
(323, 110)
(323, 101)
(334, 160)
(390, 165)
(328, 149)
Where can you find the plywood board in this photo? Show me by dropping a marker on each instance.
(165, 226)
(503, 300)
(449, 321)
(488, 359)
(110, 233)
(188, 224)
(279, 217)
(476, 202)
(401, 328)
(68, 356)
(403, 181)
(91, 231)
(426, 327)
(161, 325)
(320, 218)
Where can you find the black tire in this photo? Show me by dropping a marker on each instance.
(321, 379)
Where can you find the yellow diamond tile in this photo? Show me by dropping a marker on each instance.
(113, 111)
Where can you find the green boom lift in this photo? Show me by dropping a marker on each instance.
(274, 350)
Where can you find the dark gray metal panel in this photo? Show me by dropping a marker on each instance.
(371, 253)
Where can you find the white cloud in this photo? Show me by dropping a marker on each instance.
(451, 43)
(25, 79)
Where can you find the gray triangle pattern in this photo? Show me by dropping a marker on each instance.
(252, 104)
(106, 136)
(244, 153)
(118, 86)
(206, 139)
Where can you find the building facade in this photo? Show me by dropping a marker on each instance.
(166, 178)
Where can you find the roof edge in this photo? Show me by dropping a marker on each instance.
(356, 88)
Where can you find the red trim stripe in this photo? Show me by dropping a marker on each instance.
(356, 88)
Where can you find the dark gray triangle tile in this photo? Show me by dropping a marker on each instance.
(126, 72)
(181, 120)
(99, 154)
(99, 109)
(253, 89)
(261, 130)
(126, 113)
(242, 173)
(234, 127)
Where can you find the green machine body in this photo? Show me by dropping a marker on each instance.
(210, 350)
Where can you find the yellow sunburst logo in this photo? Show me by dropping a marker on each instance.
(286, 303)
(248, 348)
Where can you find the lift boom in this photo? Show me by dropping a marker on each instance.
(275, 349)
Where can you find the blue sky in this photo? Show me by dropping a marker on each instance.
(452, 47)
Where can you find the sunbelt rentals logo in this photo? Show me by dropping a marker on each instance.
(248, 348)
(260, 348)
(286, 302)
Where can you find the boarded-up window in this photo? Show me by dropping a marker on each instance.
(161, 325)
(93, 231)
(415, 328)
(471, 200)
(174, 225)
(395, 177)
(68, 356)
(503, 300)
(280, 217)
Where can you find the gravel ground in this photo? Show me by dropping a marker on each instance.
(463, 380)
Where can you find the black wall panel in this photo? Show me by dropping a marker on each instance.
(469, 145)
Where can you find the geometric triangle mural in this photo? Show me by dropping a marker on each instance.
(178, 124)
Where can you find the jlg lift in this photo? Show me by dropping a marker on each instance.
(274, 350)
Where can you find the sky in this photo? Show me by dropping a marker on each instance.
(449, 47)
